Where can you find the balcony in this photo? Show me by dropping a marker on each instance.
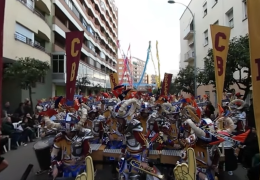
(189, 56)
(26, 17)
(189, 32)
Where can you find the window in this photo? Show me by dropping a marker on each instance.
(98, 65)
(207, 93)
(76, 12)
(216, 23)
(120, 68)
(91, 61)
(244, 9)
(23, 34)
(120, 62)
(230, 18)
(120, 78)
(58, 63)
(91, 46)
(205, 11)
(120, 73)
(102, 55)
(206, 38)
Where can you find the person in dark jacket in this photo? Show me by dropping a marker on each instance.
(8, 129)
(19, 112)
(28, 127)
(250, 148)
(251, 115)
(209, 110)
(27, 107)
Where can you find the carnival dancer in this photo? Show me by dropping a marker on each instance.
(71, 145)
(135, 150)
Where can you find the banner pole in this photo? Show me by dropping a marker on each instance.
(2, 13)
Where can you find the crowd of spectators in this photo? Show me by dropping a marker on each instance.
(20, 126)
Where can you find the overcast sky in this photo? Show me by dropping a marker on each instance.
(141, 21)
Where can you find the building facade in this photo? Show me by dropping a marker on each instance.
(232, 13)
(99, 20)
(138, 68)
(27, 34)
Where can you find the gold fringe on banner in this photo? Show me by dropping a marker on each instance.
(159, 69)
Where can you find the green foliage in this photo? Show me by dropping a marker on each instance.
(185, 80)
(81, 83)
(27, 71)
(238, 61)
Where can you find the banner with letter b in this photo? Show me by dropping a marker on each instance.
(74, 41)
(254, 42)
(220, 43)
(166, 84)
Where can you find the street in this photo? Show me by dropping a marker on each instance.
(19, 160)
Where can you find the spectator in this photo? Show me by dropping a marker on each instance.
(250, 149)
(28, 126)
(7, 109)
(251, 115)
(19, 112)
(8, 129)
(3, 142)
(209, 110)
(27, 107)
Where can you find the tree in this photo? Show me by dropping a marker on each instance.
(97, 88)
(27, 71)
(185, 80)
(81, 83)
(238, 62)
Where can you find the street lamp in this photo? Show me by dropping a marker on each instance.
(194, 37)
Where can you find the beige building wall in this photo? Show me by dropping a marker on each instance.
(27, 33)
(230, 13)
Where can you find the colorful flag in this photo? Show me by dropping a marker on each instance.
(74, 41)
(113, 80)
(220, 43)
(254, 41)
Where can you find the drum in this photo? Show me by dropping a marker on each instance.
(43, 152)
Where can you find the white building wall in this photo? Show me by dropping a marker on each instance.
(215, 12)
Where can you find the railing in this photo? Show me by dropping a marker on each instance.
(35, 11)
(28, 41)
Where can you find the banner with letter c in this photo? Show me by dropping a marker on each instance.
(74, 42)
(166, 84)
(253, 14)
(220, 43)
(113, 80)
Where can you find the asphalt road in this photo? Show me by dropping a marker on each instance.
(19, 160)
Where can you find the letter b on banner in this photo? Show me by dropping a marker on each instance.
(73, 71)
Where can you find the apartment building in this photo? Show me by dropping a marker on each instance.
(232, 13)
(27, 33)
(138, 68)
(120, 70)
(99, 21)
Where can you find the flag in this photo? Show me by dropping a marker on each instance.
(220, 41)
(74, 40)
(117, 43)
(254, 41)
(113, 80)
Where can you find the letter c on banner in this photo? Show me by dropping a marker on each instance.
(217, 38)
(74, 52)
